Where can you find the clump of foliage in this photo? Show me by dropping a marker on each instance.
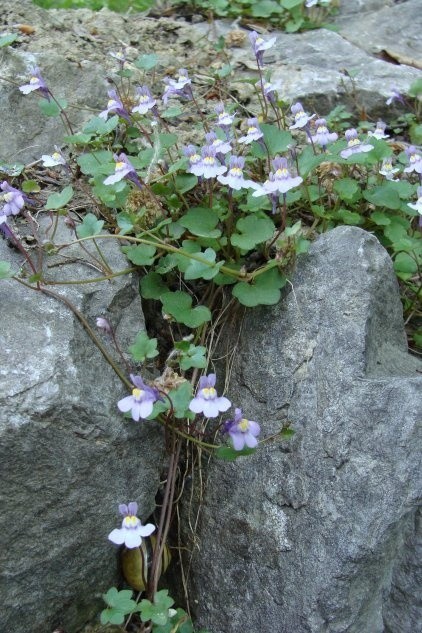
(208, 229)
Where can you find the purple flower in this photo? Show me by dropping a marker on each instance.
(395, 96)
(259, 46)
(181, 86)
(209, 166)
(123, 169)
(221, 147)
(387, 169)
(121, 57)
(56, 158)
(141, 402)
(12, 199)
(206, 400)
(417, 206)
(234, 178)
(268, 89)
(243, 432)
(132, 530)
(36, 82)
(114, 106)
(354, 146)
(415, 160)
(103, 324)
(301, 118)
(253, 133)
(224, 119)
(379, 131)
(322, 136)
(145, 100)
(280, 180)
(194, 160)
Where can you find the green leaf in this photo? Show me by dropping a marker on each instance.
(30, 186)
(405, 265)
(397, 229)
(93, 163)
(185, 182)
(415, 88)
(90, 226)
(179, 305)
(252, 231)
(14, 169)
(200, 270)
(7, 39)
(194, 356)
(59, 200)
(152, 286)
(180, 398)
(384, 196)
(172, 112)
(140, 254)
(265, 290)
(78, 139)
(124, 222)
(5, 270)
(276, 140)
(228, 454)
(290, 4)
(380, 218)
(146, 62)
(51, 108)
(348, 189)
(349, 217)
(265, 8)
(157, 612)
(202, 222)
(143, 347)
(97, 125)
(120, 600)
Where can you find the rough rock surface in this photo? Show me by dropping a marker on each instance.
(318, 534)
(67, 456)
(72, 49)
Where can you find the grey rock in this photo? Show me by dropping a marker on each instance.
(316, 534)
(393, 30)
(67, 456)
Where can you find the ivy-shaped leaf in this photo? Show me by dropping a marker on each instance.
(277, 141)
(252, 231)
(140, 254)
(152, 286)
(193, 356)
(143, 347)
(5, 270)
(52, 108)
(200, 270)
(201, 221)
(347, 189)
(93, 163)
(97, 125)
(157, 611)
(90, 226)
(9, 38)
(265, 290)
(228, 454)
(179, 305)
(59, 200)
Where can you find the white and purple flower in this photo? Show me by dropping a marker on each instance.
(280, 180)
(206, 400)
(191, 152)
(388, 170)
(209, 166)
(235, 178)
(417, 206)
(121, 57)
(242, 432)
(322, 136)
(12, 200)
(259, 46)
(354, 145)
(141, 402)
(224, 119)
(379, 132)
(221, 147)
(123, 169)
(36, 82)
(114, 106)
(395, 96)
(181, 86)
(300, 117)
(132, 530)
(415, 160)
(268, 89)
(54, 159)
(253, 133)
(145, 100)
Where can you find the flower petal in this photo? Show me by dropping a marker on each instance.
(117, 536)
